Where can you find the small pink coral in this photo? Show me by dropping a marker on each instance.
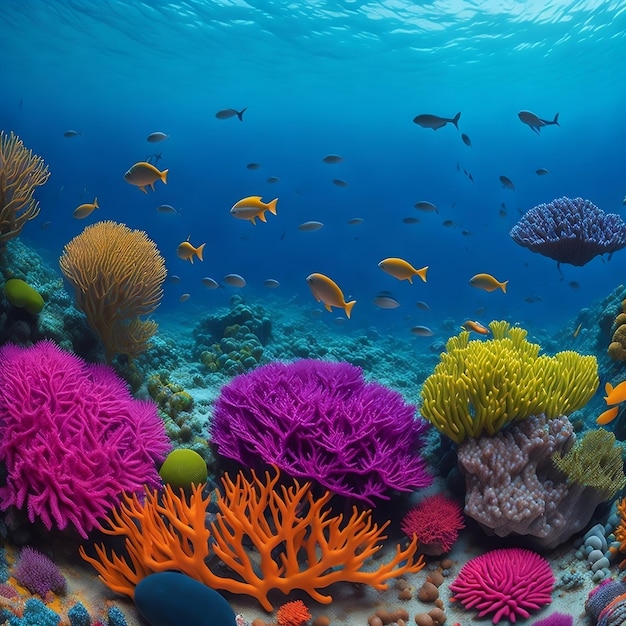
(509, 582)
(436, 521)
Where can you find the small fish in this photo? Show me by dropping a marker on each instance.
(272, 179)
(477, 327)
(487, 282)
(615, 395)
(354, 221)
(184, 297)
(253, 166)
(45, 225)
(386, 302)
(420, 304)
(624, 201)
(507, 182)
(448, 223)
(536, 123)
(186, 251)
(575, 333)
(209, 283)
(471, 178)
(72, 133)
(542, 171)
(332, 158)
(225, 114)
(310, 226)
(401, 269)
(574, 284)
(410, 220)
(156, 137)
(327, 291)
(271, 283)
(166, 208)
(608, 416)
(252, 207)
(235, 280)
(427, 207)
(426, 120)
(173, 278)
(466, 140)
(422, 331)
(339, 182)
(84, 210)
(144, 175)
(502, 212)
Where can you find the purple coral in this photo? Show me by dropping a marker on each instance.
(38, 573)
(570, 231)
(556, 619)
(322, 421)
(72, 437)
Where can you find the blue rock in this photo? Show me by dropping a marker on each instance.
(172, 599)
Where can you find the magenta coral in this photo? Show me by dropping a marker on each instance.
(72, 437)
(508, 583)
(322, 421)
(436, 521)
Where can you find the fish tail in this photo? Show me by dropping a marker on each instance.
(608, 416)
(199, 251)
(272, 206)
(348, 308)
(240, 113)
(503, 285)
(556, 120)
(422, 273)
(455, 120)
(163, 176)
(95, 203)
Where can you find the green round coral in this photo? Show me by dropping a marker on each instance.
(182, 468)
(19, 293)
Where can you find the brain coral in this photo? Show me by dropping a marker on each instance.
(72, 438)
(322, 421)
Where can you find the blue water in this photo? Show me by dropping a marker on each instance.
(319, 77)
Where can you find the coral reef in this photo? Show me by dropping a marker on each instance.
(606, 604)
(38, 573)
(617, 347)
(479, 386)
(83, 421)
(302, 546)
(508, 583)
(117, 274)
(322, 421)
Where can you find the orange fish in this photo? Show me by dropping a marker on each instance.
(186, 251)
(252, 207)
(327, 291)
(477, 327)
(615, 395)
(608, 416)
(144, 175)
(401, 269)
(84, 210)
(487, 282)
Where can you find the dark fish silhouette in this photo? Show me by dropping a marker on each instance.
(225, 114)
(427, 120)
(536, 123)
(466, 140)
(507, 182)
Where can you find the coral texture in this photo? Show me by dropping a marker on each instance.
(436, 521)
(298, 543)
(606, 604)
(117, 274)
(570, 231)
(508, 583)
(323, 422)
(293, 614)
(20, 172)
(514, 487)
(556, 619)
(72, 437)
(38, 573)
(481, 386)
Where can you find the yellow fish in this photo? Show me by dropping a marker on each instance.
(608, 416)
(252, 207)
(615, 395)
(186, 251)
(327, 291)
(401, 269)
(487, 282)
(86, 209)
(144, 175)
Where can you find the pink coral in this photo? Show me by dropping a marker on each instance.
(509, 582)
(72, 437)
(436, 521)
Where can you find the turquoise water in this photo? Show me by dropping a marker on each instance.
(318, 78)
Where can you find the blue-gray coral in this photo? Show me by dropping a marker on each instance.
(570, 231)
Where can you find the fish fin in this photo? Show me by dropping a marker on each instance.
(163, 177)
(272, 206)
(191, 259)
(199, 250)
(410, 279)
(240, 113)
(143, 188)
(253, 220)
(503, 285)
(348, 308)
(261, 216)
(422, 272)
(327, 306)
(556, 120)
(455, 120)
(536, 130)
(151, 187)
(608, 416)
(608, 388)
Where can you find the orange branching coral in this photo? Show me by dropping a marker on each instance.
(298, 543)
(620, 531)
(293, 614)
(117, 274)
(20, 172)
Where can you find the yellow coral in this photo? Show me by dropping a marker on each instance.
(20, 172)
(298, 543)
(117, 274)
(480, 386)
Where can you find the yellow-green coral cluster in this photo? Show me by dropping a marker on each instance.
(480, 386)
(594, 461)
(171, 398)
